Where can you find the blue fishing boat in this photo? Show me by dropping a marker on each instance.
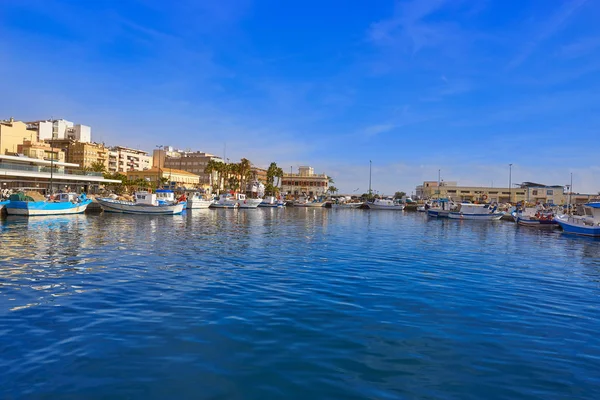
(585, 225)
(440, 208)
(61, 204)
(2, 204)
(145, 203)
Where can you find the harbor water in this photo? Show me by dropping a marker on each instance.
(298, 303)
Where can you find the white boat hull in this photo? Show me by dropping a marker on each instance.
(317, 204)
(127, 207)
(481, 217)
(347, 205)
(249, 203)
(196, 204)
(382, 207)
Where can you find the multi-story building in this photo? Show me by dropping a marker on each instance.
(82, 153)
(527, 191)
(259, 174)
(123, 159)
(304, 183)
(175, 178)
(41, 151)
(194, 162)
(14, 133)
(58, 129)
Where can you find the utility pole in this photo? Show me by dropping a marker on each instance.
(510, 183)
(370, 164)
(570, 192)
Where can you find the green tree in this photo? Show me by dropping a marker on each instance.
(97, 166)
(332, 189)
(399, 195)
(273, 172)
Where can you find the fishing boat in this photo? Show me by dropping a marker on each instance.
(440, 208)
(244, 202)
(2, 204)
(197, 200)
(166, 196)
(385, 204)
(225, 200)
(535, 217)
(345, 202)
(60, 204)
(585, 225)
(144, 203)
(271, 201)
(476, 211)
(304, 202)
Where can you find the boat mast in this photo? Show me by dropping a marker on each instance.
(570, 192)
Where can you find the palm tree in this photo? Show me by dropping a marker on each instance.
(214, 167)
(97, 166)
(332, 189)
(243, 170)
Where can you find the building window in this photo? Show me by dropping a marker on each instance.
(534, 192)
(549, 192)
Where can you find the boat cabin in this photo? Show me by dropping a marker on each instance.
(145, 198)
(66, 198)
(165, 196)
(469, 208)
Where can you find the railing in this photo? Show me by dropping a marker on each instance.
(33, 168)
(288, 175)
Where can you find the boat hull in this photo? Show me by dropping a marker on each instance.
(438, 213)
(126, 207)
(382, 207)
(268, 205)
(249, 203)
(480, 217)
(347, 205)
(318, 204)
(577, 227)
(226, 206)
(536, 223)
(39, 208)
(196, 204)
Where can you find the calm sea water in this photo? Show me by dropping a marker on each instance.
(295, 303)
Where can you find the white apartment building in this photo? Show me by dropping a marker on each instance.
(62, 129)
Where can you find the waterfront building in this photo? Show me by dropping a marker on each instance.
(61, 129)
(529, 192)
(175, 178)
(259, 174)
(14, 133)
(304, 183)
(41, 151)
(20, 172)
(194, 162)
(123, 159)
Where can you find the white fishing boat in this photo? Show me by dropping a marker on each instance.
(271, 201)
(349, 205)
(584, 225)
(244, 202)
(197, 200)
(144, 203)
(225, 200)
(477, 212)
(385, 204)
(60, 204)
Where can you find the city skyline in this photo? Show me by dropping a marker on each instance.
(462, 87)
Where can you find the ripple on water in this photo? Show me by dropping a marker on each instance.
(295, 303)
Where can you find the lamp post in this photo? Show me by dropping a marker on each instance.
(159, 147)
(370, 165)
(509, 183)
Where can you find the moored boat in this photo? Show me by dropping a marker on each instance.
(244, 202)
(145, 203)
(585, 225)
(476, 212)
(2, 204)
(535, 218)
(197, 200)
(304, 202)
(440, 208)
(60, 204)
(271, 201)
(225, 200)
(385, 204)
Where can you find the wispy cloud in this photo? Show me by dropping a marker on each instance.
(547, 29)
(580, 47)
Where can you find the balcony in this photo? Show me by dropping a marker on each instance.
(31, 168)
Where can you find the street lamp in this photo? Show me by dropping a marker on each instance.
(159, 147)
(510, 183)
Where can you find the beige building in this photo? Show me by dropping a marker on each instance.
(259, 174)
(304, 183)
(82, 153)
(175, 178)
(13, 133)
(527, 191)
(123, 159)
(194, 162)
(41, 151)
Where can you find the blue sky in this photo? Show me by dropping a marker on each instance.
(415, 86)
